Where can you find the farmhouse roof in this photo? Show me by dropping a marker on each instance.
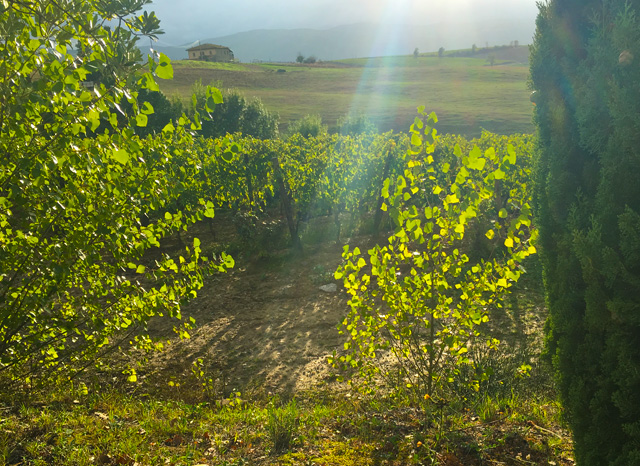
(206, 47)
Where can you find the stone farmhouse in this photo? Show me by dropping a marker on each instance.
(210, 52)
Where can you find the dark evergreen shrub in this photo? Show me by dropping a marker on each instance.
(585, 67)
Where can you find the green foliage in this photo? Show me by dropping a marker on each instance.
(584, 69)
(309, 127)
(420, 300)
(232, 113)
(165, 111)
(76, 279)
(353, 124)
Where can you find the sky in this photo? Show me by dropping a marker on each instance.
(183, 20)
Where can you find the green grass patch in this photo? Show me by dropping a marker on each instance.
(329, 428)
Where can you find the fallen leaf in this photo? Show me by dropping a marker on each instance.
(174, 441)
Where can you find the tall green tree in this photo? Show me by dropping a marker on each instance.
(585, 66)
(75, 182)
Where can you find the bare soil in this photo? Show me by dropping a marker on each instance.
(265, 323)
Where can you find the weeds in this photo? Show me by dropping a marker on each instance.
(282, 424)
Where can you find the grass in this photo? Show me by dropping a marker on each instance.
(517, 421)
(466, 93)
(320, 428)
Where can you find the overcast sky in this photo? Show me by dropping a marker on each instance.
(184, 20)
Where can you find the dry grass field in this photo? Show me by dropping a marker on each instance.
(468, 94)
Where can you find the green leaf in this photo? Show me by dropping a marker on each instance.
(503, 213)
(141, 120)
(451, 199)
(477, 164)
(228, 261)
(120, 156)
(164, 70)
(216, 95)
(148, 82)
(511, 155)
(385, 188)
(147, 108)
(209, 211)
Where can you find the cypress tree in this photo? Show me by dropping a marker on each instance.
(585, 69)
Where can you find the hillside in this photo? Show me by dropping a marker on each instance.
(361, 40)
(466, 93)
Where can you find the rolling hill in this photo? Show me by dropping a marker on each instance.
(361, 40)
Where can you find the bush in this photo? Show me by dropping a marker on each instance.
(309, 127)
(420, 299)
(355, 124)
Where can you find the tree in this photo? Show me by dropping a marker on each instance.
(440, 52)
(474, 49)
(416, 53)
(588, 203)
(310, 59)
(516, 43)
(491, 59)
(76, 183)
(234, 115)
(300, 58)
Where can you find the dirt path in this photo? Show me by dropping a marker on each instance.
(266, 323)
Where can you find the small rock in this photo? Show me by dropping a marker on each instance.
(330, 288)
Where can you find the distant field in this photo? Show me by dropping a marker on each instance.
(466, 93)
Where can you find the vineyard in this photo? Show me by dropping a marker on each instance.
(172, 298)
